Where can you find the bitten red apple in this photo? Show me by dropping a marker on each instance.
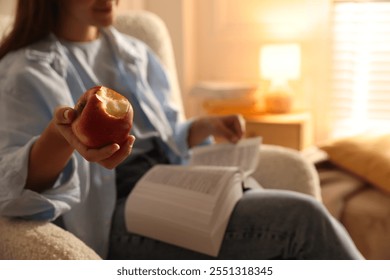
(104, 117)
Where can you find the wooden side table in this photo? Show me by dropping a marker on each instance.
(291, 130)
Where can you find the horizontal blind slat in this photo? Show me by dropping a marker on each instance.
(360, 66)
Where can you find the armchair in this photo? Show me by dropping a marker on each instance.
(278, 167)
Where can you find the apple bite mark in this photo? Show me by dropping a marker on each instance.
(113, 103)
(104, 117)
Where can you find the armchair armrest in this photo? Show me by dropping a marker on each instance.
(285, 168)
(31, 240)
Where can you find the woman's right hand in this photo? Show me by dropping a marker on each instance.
(108, 156)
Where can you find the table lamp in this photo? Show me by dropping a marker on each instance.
(279, 63)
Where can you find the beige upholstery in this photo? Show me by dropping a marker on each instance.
(279, 167)
(25, 240)
(284, 168)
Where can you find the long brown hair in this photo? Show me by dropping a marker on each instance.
(34, 20)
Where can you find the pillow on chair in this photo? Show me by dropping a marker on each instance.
(366, 155)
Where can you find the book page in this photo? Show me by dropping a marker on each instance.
(244, 155)
(200, 179)
(197, 187)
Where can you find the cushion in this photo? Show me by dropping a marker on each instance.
(366, 155)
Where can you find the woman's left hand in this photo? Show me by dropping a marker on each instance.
(229, 127)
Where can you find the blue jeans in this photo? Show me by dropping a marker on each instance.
(270, 224)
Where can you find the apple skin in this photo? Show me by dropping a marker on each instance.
(94, 126)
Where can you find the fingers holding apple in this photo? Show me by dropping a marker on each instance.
(98, 127)
(117, 157)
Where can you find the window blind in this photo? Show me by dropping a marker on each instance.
(360, 67)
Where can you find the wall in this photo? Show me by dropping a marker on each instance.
(7, 6)
(131, 4)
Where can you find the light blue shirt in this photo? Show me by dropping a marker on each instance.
(37, 79)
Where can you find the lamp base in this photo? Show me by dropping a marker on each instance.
(278, 102)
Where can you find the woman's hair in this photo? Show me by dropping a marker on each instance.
(34, 20)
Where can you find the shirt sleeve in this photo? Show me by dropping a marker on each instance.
(16, 201)
(181, 136)
(28, 97)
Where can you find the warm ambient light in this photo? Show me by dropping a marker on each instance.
(279, 63)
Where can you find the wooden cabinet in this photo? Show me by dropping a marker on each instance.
(288, 130)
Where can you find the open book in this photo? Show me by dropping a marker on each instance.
(189, 206)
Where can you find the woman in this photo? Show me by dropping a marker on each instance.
(58, 49)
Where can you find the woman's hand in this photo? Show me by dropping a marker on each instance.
(108, 156)
(229, 127)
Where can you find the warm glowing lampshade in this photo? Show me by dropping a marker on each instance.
(280, 63)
